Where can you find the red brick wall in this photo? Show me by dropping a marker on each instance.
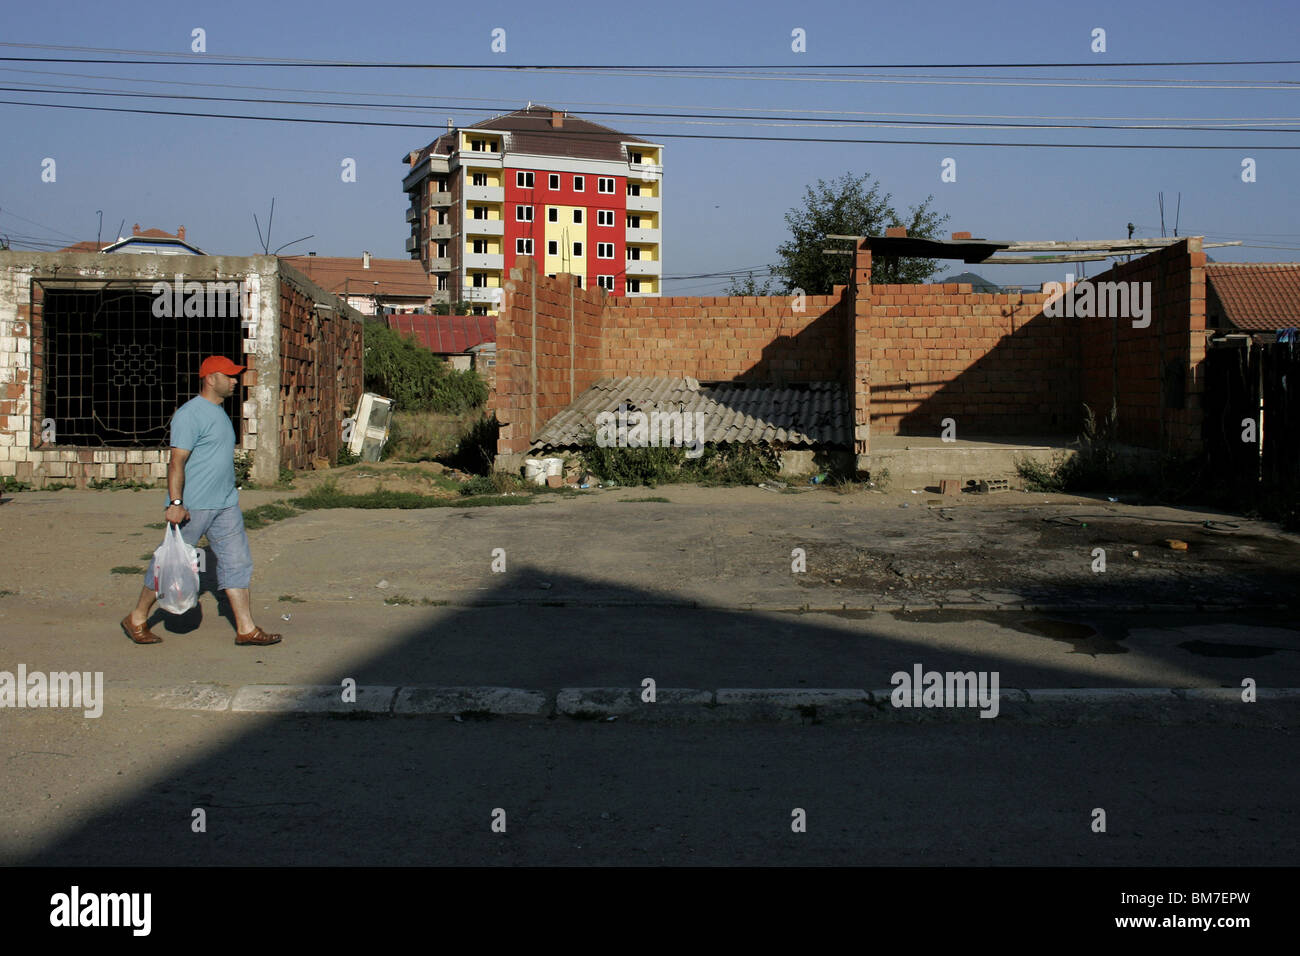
(726, 339)
(548, 350)
(993, 363)
(1150, 372)
(320, 376)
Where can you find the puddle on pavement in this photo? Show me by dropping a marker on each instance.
(1219, 649)
(1082, 638)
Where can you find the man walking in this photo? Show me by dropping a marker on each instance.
(203, 499)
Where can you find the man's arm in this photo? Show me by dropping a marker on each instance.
(176, 485)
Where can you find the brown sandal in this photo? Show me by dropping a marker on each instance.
(256, 637)
(140, 633)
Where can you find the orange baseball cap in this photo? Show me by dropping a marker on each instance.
(218, 363)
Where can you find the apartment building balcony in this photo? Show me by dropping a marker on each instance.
(485, 194)
(484, 260)
(491, 294)
(644, 267)
(485, 227)
(411, 244)
(644, 204)
(442, 264)
(646, 172)
(442, 231)
(646, 236)
(412, 214)
(477, 159)
(442, 198)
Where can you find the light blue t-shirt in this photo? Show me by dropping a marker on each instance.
(204, 430)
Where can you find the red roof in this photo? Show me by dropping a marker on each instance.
(531, 131)
(396, 277)
(1255, 296)
(446, 334)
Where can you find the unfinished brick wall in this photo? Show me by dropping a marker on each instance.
(1155, 375)
(752, 339)
(995, 364)
(320, 374)
(548, 350)
(909, 355)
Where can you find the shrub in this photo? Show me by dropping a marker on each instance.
(416, 379)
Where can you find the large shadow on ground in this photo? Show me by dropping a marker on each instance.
(360, 790)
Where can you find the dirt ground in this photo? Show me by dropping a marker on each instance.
(423, 477)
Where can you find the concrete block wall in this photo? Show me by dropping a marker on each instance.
(27, 457)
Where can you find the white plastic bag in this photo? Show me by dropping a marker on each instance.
(176, 573)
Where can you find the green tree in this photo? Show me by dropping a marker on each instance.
(748, 286)
(850, 206)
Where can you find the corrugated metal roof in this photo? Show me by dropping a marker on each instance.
(1257, 296)
(734, 412)
(446, 334)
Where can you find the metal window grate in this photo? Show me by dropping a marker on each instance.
(115, 372)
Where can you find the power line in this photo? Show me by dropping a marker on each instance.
(656, 135)
(444, 103)
(173, 58)
(656, 117)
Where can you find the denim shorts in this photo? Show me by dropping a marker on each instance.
(225, 530)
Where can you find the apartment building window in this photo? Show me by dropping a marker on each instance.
(442, 283)
(553, 181)
(552, 215)
(523, 214)
(634, 157)
(442, 217)
(524, 180)
(604, 250)
(480, 246)
(478, 310)
(577, 215)
(604, 217)
(605, 184)
(480, 212)
(577, 250)
(480, 280)
(524, 247)
(480, 146)
(579, 183)
(605, 282)
(442, 184)
(634, 252)
(479, 179)
(577, 280)
(634, 189)
(442, 248)
(553, 247)
(633, 285)
(633, 222)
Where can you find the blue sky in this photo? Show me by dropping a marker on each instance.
(724, 201)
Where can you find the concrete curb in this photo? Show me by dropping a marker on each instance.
(1278, 706)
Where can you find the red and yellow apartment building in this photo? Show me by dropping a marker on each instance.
(576, 196)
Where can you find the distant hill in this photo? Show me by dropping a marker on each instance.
(978, 282)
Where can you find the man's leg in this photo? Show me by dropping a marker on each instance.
(191, 531)
(235, 571)
(143, 606)
(239, 602)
